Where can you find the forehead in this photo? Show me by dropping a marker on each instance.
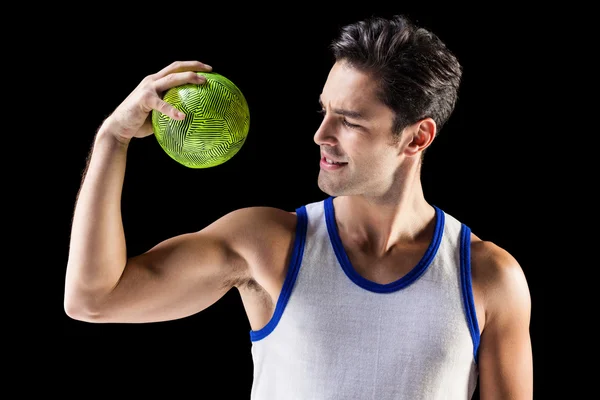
(348, 87)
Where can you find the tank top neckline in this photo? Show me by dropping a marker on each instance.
(367, 284)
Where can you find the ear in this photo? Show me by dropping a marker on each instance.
(422, 134)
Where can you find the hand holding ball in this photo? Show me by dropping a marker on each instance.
(215, 127)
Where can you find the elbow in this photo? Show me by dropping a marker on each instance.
(85, 299)
(81, 308)
(76, 311)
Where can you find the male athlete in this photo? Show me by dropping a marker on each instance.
(369, 293)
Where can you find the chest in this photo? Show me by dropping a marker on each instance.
(331, 317)
(388, 268)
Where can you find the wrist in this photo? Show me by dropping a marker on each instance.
(108, 132)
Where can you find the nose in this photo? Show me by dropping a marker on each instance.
(325, 135)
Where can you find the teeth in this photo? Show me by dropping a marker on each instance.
(331, 162)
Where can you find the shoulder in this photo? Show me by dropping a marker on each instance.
(255, 233)
(254, 223)
(500, 282)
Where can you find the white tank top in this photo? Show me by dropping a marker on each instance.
(336, 335)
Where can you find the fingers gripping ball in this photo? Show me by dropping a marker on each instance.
(215, 127)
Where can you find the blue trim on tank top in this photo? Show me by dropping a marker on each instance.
(290, 278)
(467, 288)
(364, 283)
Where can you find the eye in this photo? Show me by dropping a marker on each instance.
(349, 125)
(344, 120)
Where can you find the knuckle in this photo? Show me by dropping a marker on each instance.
(146, 97)
(163, 107)
(148, 79)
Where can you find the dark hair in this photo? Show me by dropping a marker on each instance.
(419, 77)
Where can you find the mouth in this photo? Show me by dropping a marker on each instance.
(330, 165)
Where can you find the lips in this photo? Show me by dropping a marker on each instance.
(331, 167)
(333, 159)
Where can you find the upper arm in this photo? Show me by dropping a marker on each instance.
(182, 275)
(505, 356)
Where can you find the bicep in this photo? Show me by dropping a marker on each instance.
(505, 356)
(176, 278)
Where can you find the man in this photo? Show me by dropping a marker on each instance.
(371, 293)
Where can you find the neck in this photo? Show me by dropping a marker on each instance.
(376, 224)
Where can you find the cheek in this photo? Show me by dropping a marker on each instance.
(373, 158)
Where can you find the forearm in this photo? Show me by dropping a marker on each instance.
(97, 253)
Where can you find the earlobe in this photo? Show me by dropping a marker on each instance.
(423, 133)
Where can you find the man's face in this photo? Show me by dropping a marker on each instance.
(357, 131)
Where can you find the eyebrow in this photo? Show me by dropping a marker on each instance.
(348, 113)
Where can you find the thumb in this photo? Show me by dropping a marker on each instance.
(167, 109)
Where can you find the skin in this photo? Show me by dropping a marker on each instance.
(390, 227)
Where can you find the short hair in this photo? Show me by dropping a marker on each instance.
(418, 75)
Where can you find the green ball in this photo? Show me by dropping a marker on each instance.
(215, 127)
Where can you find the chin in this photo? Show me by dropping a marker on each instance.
(326, 187)
(332, 188)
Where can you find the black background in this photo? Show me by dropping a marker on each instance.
(479, 169)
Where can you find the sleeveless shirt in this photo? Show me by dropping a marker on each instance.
(337, 335)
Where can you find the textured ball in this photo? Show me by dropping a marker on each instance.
(215, 127)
